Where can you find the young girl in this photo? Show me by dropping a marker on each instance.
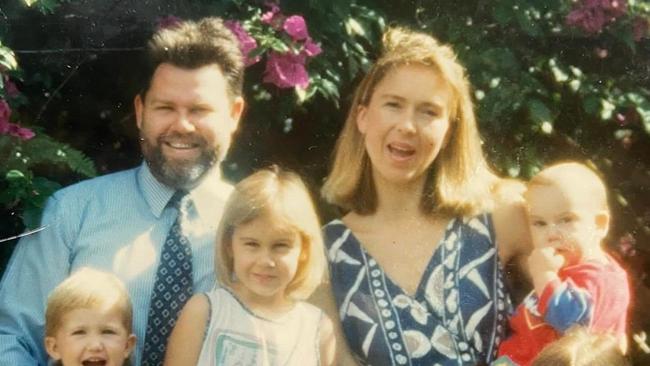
(269, 256)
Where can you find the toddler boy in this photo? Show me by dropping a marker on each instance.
(88, 321)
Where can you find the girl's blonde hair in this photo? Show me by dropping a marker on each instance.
(580, 347)
(87, 288)
(284, 197)
(459, 181)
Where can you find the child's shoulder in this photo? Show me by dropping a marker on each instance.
(309, 310)
(609, 266)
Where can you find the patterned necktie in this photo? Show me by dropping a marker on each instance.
(173, 287)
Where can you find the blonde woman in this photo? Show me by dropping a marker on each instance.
(416, 261)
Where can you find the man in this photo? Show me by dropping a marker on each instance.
(126, 222)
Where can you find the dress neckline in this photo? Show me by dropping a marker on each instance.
(431, 264)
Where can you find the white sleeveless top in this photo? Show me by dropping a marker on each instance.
(237, 337)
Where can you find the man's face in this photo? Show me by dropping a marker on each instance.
(186, 121)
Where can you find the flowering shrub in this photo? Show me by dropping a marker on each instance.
(22, 191)
(284, 42)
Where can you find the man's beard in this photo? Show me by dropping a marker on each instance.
(179, 174)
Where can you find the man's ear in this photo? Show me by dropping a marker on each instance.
(237, 108)
(130, 344)
(602, 222)
(51, 348)
(362, 119)
(138, 105)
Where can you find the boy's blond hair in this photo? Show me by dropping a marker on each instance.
(580, 347)
(458, 182)
(87, 288)
(574, 179)
(284, 197)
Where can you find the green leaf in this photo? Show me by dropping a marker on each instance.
(354, 28)
(7, 58)
(541, 115)
(502, 12)
(529, 25)
(15, 176)
(591, 105)
(607, 109)
(558, 74)
(644, 113)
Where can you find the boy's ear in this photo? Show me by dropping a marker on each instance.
(130, 344)
(51, 348)
(602, 222)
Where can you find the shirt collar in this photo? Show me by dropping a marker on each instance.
(157, 195)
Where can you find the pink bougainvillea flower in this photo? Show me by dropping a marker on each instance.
(246, 42)
(593, 15)
(8, 128)
(312, 48)
(296, 27)
(20, 132)
(273, 17)
(286, 70)
(10, 88)
(5, 111)
(626, 245)
(590, 20)
(169, 21)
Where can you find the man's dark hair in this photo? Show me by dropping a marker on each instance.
(194, 44)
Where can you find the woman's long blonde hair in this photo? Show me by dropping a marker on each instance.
(458, 182)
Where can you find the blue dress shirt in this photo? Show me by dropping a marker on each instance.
(116, 223)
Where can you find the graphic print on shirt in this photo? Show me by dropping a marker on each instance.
(239, 349)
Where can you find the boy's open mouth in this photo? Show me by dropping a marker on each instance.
(94, 362)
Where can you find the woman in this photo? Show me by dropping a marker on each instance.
(416, 260)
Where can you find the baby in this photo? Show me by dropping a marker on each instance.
(88, 321)
(576, 282)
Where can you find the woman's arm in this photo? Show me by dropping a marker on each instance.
(510, 224)
(186, 340)
(513, 237)
(324, 299)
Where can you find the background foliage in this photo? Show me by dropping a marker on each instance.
(553, 80)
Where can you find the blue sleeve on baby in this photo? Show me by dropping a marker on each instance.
(569, 305)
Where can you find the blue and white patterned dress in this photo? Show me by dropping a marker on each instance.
(458, 315)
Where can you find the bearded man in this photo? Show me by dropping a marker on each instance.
(153, 226)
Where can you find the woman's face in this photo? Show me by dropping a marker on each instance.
(405, 123)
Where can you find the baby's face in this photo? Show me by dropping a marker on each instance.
(566, 223)
(91, 337)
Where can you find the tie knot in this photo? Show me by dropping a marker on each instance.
(177, 198)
